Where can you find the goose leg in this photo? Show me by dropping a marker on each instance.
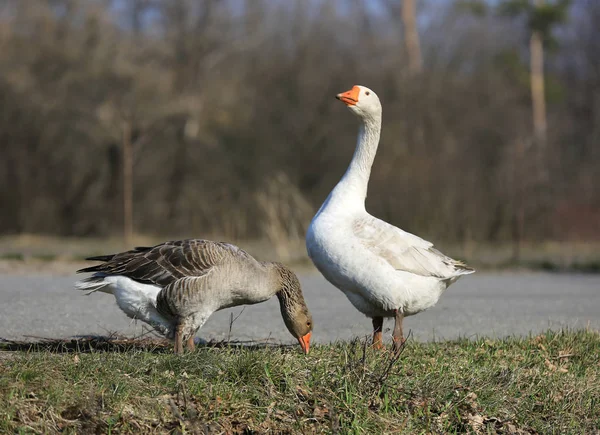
(179, 339)
(398, 336)
(190, 343)
(377, 332)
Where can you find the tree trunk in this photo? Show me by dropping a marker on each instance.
(411, 36)
(519, 185)
(127, 184)
(536, 57)
(538, 188)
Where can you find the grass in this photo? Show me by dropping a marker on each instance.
(544, 384)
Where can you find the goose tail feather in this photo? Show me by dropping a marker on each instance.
(93, 284)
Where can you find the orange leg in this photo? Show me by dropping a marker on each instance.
(190, 343)
(178, 339)
(398, 336)
(377, 332)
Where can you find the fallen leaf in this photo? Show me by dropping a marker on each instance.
(320, 412)
(550, 366)
(128, 410)
(302, 393)
(476, 422)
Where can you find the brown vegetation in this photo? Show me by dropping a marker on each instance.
(534, 385)
(229, 109)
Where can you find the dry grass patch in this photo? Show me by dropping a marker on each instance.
(544, 384)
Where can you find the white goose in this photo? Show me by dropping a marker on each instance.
(383, 270)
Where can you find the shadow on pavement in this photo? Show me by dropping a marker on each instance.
(114, 343)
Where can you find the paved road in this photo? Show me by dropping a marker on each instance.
(483, 304)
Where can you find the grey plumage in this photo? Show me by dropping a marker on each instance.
(198, 277)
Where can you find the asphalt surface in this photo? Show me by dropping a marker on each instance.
(491, 305)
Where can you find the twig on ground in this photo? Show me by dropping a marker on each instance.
(231, 320)
(393, 359)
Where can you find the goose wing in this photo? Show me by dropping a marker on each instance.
(165, 263)
(405, 251)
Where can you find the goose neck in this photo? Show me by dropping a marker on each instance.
(282, 282)
(356, 179)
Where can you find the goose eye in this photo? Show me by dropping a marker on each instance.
(307, 323)
(367, 93)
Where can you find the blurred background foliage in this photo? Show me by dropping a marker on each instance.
(228, 110)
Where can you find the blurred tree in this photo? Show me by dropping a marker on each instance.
(530, 172)
(406, 11)
(542, 18)
(411, 36)
(228, 107)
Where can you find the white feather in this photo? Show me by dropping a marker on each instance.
(135, 299)
(379, 267)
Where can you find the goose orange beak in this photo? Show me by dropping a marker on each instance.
(305, 342)
(350, 98)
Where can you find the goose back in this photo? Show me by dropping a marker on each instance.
(168, 262)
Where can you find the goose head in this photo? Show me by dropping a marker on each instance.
(361, 101)
(294, 311)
